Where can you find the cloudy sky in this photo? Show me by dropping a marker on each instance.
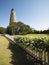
(31, 12)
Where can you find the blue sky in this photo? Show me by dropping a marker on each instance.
(31, 12)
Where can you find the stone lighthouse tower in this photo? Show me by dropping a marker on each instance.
(13, 16)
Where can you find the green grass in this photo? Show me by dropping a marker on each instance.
(5, 53)
(33, 35)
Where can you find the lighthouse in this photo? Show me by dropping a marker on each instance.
(13, 16)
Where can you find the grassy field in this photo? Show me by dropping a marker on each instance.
(33, 36)
(5, 53)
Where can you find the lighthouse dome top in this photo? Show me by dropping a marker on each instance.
(12, 9)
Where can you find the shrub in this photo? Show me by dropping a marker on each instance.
(40, 43)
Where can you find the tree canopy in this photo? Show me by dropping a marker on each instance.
(2, 30)
(18, 28)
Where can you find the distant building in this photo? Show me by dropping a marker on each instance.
(13, 16)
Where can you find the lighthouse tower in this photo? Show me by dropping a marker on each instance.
(13, 16)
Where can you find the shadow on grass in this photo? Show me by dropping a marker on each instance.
(18, 55)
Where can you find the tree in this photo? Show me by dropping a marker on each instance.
(18, 28)
(11, 28)
(2, 30)
(23, 28)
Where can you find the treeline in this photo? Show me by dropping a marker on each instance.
(2, 30)
(16, 28)
(41, 32)
(20, 28)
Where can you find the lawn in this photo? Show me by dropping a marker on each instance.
(33, 35)
(5, 53)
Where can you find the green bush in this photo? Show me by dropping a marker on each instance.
(40, 43)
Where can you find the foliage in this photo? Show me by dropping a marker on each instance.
(40, 43)
(2, 30)
(23, 28)
(41, 32)
(18, 28)
(11, 28)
